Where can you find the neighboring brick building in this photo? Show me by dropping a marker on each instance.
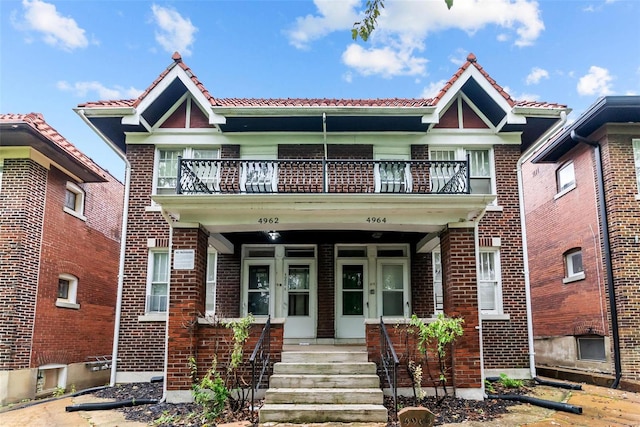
(325, 214)
(60, 222)
(573, 273)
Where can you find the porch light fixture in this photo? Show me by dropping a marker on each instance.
(273, 235)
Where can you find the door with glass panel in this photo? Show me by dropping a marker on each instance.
(351, 298)
(299, 299)
(393, 287)
(259, 283)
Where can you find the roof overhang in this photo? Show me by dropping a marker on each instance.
(608, 109)
(24, 135)
(223, 213)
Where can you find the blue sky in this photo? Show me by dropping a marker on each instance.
(55, 55)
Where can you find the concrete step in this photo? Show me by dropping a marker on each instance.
(324, 381)
(372, 396)
(334, 368)
(325, 356)
(295, 413)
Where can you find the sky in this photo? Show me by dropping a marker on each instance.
(55, 55)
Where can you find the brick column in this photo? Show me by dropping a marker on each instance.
(186, 303)
(459, 281)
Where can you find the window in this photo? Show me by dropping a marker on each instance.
(158, 281)
(210, 298)
(480, 169)
(167, 167)
(573, 265)
(74, 200)
(393, 278)
(67, 291)
(591, 348)
(566, 177)
(438, 294)
(489, 283)
(636, 159)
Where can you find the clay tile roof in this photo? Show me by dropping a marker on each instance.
(37, 122)
(311, 102)
(472, 61)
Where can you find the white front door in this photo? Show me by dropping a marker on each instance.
(300, 298)
(351, 298)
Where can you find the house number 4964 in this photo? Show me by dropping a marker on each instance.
(376, 220)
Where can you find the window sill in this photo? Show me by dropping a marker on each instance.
(153, 317)
(575, 278)
(74, 213)
(154, 208)
(563, 192)
(67, 304)
(495, 317)
(638, 197)
(495, 208)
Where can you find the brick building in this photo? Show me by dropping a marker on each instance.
(325, 214)
(583, 244)
(60, 221)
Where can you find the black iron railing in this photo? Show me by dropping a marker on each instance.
(389, 363)
(232, 176)
(260, 361)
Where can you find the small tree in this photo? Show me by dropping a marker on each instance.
(235, 381)
(441, 333)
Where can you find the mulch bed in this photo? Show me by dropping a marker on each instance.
(447, 410)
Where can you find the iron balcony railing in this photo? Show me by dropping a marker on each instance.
(235, 176)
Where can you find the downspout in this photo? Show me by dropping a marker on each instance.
(523, 225)
(166, 328)
(123, 241)
(607, 255)
(324, 159)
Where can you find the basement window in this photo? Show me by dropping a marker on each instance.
(591, 348)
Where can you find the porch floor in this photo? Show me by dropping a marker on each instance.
(324, 347)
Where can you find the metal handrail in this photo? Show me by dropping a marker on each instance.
(389, 364)
(261, 353)
(235, 176)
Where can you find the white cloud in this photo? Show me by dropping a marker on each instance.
(348, 77)
(403, 27)
(82, 89)
(174, 33)
(56, 30)
(433, 89)
(332, 16)
(596, 82)
(536, 75)
(383, 61)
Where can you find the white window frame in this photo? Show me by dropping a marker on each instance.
(570, 274)
(210, 280)
(496, 280)
(563, 187)
(78, 209)
(150, 281)
(72, 292)
(186, 153)
(406, 291)
(438, 291)
(636, 159)
(460, 153)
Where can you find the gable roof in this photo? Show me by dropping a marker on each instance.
(32, 130)
(114, 117)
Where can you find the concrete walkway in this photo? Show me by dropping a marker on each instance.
(600, 407)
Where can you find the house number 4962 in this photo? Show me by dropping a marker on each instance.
(376, 220)
(271, 220)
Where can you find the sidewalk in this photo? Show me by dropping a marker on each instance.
(600, 407)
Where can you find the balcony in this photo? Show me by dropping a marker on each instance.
(240, 176)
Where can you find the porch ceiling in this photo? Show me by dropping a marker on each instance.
(227, 213)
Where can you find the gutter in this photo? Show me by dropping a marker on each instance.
(523, 225)
(613, 308)
(123, 240)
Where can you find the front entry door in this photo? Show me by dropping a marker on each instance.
(351, 299)
(299, 299)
